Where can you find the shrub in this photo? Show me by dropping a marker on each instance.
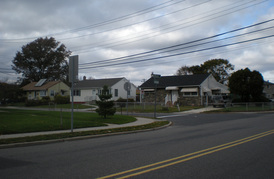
(45, 100)
(33, 102)
(61, 99)
(125, 100)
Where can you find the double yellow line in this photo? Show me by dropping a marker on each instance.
(183, 158)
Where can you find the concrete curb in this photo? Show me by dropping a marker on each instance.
(3, 146)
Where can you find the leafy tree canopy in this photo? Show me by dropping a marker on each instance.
(219, 68)
(43, 58)
(247, 84)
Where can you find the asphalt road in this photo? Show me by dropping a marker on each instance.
(235, 145)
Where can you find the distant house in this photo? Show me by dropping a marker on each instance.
(88, 90)
(269, 90)
(184, 90)
(37, 90)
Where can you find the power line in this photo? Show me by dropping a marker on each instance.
(186, 43)
(140, 12)
(153, 34)
(132, 24)
(193, 51)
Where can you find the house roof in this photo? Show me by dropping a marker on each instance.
(180, 81)
(96, 83)
(31, 86)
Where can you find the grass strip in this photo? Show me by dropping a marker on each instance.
(23, 121)
(84, 133)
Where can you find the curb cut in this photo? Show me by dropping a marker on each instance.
(79, 137)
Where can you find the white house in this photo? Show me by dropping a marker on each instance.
(88, 90)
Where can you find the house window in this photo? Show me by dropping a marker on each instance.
(116, 93)
(76, 92)
(63, 92)
(93, 92)
(52, 92)
(42, 93)
(100, 91)
(190, 94)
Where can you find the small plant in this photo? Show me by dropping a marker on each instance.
(61, 99)
(105, 105)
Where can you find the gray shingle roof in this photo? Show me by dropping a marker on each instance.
(184, 80)
(96, 83)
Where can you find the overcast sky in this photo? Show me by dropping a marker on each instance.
(103, 31)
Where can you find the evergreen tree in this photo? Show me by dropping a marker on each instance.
(106, 106)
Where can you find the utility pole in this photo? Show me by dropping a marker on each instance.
(73, 75)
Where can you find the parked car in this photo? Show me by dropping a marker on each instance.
(221, 101)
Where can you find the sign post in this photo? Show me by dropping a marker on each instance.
(73, 76)
(127, 87)
(156, 82)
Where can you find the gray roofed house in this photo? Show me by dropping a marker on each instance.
(185, 80)
(184, 90)
(88, 90)
(96, 83)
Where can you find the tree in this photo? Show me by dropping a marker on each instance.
(10, 93)
(219, 68)
(247, 84)
(184, 70)
(43, 58)
(106, 106)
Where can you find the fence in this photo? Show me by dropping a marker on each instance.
(254, 106)
(132, 107)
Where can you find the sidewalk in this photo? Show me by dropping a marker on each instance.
(138, 122)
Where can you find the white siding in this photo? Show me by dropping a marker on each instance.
(90, 95)
(210, 84)
(86, 95)
(122, 93)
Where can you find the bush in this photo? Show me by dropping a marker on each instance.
(61, 99)
(33, 102)
(125, 100)
(45, 100)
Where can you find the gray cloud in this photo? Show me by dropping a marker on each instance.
(78, 24)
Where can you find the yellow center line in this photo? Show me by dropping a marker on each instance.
(190, 156)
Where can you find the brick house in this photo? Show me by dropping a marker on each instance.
(184, 90)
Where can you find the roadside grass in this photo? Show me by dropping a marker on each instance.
(85, 133)
(65, 106)
(53, 105)
(23, 121)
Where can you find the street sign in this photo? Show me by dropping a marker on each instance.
(156, 78)
(73, 68)
(127, 86)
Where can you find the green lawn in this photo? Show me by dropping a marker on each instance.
(52, 106)
(21, 121)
